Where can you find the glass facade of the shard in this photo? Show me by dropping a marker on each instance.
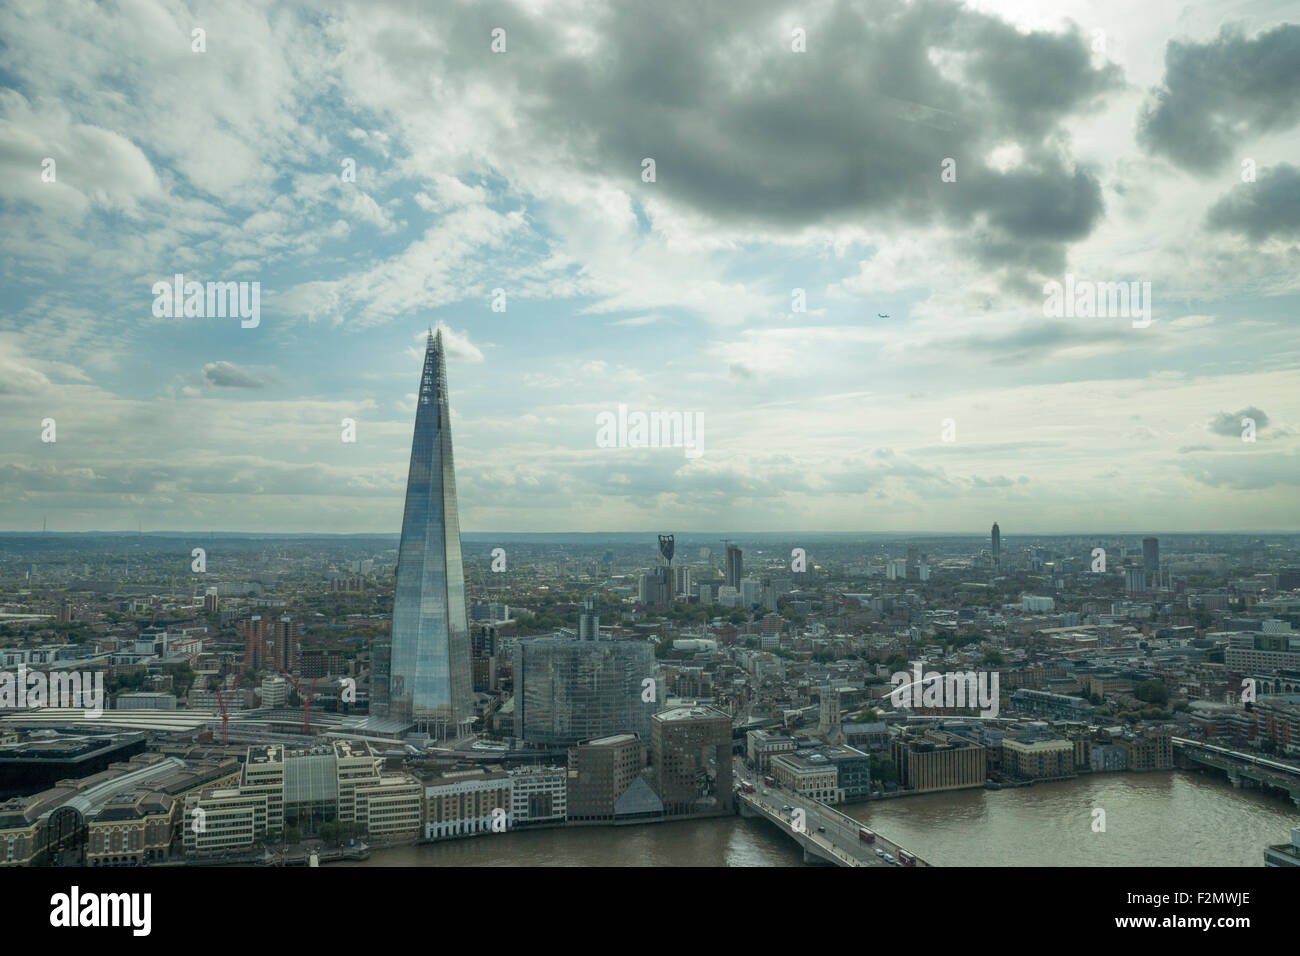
(429, 678)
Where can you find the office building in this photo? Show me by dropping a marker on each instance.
(690, 750)
(683, 580)
(429, 672)
(734, 566)
(465, 802)
(829, 774)
(762, 745)
(601, 772)
(567, 691)
(934, 760)
(284, 643)
(1151, 555)
(1037, 757)
(275, 691)
(655, 587)
(538, 795)
(318, 662)
(589, 620)
(1046, 704)
(997, 546)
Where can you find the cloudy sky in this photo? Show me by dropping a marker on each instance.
(796, 146)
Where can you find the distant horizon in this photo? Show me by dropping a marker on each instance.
(655, 531)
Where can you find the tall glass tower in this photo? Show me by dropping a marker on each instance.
(429, 678)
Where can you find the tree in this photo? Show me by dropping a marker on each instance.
(1152, 692)
(883, 770)
(993, 658)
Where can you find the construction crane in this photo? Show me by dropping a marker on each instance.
(252, 642)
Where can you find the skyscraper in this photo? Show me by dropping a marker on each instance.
(735, 566)
(997, 546)
(1150, 554)
(285, 643)
(429, 680)
(589, 620)
(568, 690)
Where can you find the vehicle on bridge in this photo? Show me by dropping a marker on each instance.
(866, 836)
(906, 858)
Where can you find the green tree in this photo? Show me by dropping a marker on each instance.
(1152, 692)
(883, 770)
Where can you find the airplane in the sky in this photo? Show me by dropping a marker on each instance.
(881, 315)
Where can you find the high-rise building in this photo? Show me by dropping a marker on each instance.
(569, 690)
(655, 587)
(683, 576)
(601, 772)
(284, 643)
(997, 546)
(381, 658)
(430, 679)
(691, 752)
(1150, 554)
(589, 620)
(735, 566)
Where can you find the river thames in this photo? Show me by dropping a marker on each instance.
(1175, 818)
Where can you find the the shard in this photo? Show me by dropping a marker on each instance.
(429, 678)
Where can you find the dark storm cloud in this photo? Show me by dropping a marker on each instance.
(1216, 93)
(1268, 207)
(855, 129)
(1229, 423)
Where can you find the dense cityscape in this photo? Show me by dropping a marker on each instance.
(626, 441)
(293, 700)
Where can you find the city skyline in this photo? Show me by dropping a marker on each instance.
(862, 329)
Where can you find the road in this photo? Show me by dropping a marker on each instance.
(830, 830)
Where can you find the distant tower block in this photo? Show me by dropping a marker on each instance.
(735, 566)
(997, 547)
(589, 620)
(1150, 555)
